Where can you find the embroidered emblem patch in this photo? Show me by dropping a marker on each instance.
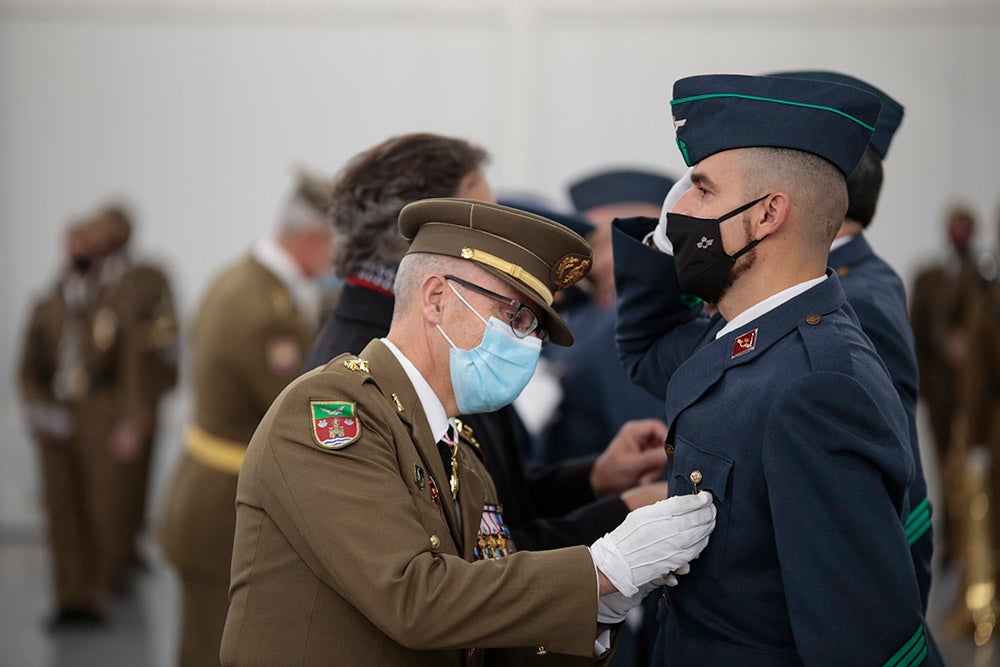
(335, 424)
(745, 343)
(284, 356)
(491, 543)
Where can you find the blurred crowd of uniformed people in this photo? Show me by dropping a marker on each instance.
(101, 350)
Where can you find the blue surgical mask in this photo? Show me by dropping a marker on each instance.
(492, 374)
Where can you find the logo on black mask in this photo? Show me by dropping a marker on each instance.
(701, 263)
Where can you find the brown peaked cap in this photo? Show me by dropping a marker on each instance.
(532, 254)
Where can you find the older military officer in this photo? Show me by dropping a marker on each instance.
(779, 405)
(248, 341)
(368, 534)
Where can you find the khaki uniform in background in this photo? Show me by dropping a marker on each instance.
(141, 298)
(353, 553)
(979, 390)
(69, 365)
(248, 341)
(939, 307)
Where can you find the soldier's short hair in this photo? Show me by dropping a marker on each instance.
(863, 188)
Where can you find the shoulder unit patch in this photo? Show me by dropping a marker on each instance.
(335, 424)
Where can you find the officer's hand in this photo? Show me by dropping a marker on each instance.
(614, 607)
(660, 239)
(635, 456)
(51, 422)
(125, 443)
(654, 540)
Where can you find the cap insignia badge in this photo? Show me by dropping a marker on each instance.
(569, 270)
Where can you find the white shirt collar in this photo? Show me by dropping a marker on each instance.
(767, 305)
(841, 241)
(437, 419)
(304, 291)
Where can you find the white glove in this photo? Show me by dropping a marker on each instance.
(614, 607)
(654, 540)
(660, 239)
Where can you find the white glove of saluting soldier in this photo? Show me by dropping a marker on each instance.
(651, 544)
(659, 235)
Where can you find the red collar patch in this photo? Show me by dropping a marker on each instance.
(745, 343)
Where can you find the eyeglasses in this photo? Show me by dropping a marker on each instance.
(523, 322)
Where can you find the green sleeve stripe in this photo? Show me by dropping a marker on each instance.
(917, 513)
(908, 653)
(916, 654)
(775, 101)
(916, 532)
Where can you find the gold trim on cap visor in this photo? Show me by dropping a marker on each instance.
(512, 270)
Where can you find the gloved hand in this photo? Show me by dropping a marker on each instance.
(614, 607)
(654, 540)
(660, 239)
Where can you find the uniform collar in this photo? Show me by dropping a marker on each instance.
(842, 241)
(852, 252)
(437, 419)
(304, 291)
(767, 305)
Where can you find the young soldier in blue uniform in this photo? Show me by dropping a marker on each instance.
(878, 297)
(779, 405)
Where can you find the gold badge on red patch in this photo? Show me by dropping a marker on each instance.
(745, 343)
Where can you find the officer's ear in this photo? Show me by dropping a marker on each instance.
(432, 298)
(774, 212)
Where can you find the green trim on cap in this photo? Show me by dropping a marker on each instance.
(689, 301)
(684, 150)
(912, 652)
(919, 522)
(695, 98)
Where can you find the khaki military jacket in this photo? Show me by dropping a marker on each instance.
(142, 303)
(247, 343)
(348, 550)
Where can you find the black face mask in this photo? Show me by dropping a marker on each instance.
(82, 263)
(701, 263)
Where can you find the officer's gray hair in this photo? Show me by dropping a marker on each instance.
(300, 216)
(413, 268)
(818, 188)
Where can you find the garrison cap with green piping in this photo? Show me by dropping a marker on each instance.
(718, 112)
(892, 111)
(531, 253)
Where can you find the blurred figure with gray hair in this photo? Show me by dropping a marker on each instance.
(249, 339)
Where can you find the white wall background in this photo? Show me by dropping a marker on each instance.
(196, 111)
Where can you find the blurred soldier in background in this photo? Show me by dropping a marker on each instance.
(67, 373)
(976, 434)
(249, 338)
(939, 306)
(139, 295)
